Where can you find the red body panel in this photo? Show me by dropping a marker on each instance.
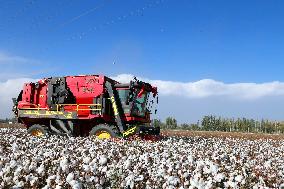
(84, 88)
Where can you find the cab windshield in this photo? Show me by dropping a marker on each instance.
(139, 103)
(124, 96)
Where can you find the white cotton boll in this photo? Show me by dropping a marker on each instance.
(18, 171)
(13, 164)
(102, 181)
(33, 166)
(206, 170)
(127, 164)
(41, 169)
(19, 185)
(219, 177)
(208, 185)
(261, 181)
(58, 187)
(190, 159)
(76, 185)
(177, 167)
(64, 161)
(123, 184)
(267, 164)
(58, 180)
(94, 168)
(161, 172)
(70, 177)
(88, 178)
(33, 181)
(6, 170)
(98, 186)
(165, 185)
(15, 147)
(15, 179)
(64, 165)
(96, 179)
(46, 187)
(86, 168)
(103, 160)
(104, 169)
(186, 183)
(185, 175)
(93, 162)
(173, 180)
(281, 186)
(139, 178)
(7, 179)
(130, 183)
(169, 170)
(214, 169)
(27, 177)
(255, 186)
(239, 178)
(86, 160)
(232, 184)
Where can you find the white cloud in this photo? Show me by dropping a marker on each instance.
(8, 90)
(208, 88)
(7, 58)
(202, 89)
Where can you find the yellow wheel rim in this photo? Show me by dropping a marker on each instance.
(103, 135)
(37, 133)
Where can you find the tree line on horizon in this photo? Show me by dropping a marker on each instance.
(8, 120)
(217, 123)
(214, 123)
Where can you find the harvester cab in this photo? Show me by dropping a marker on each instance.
(87, 105)
(135, 106)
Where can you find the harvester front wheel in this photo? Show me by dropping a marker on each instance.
(104, 131)
(38, 131)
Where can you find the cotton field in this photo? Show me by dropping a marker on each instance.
(184, 162)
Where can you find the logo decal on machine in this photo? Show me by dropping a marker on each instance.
(48, 113)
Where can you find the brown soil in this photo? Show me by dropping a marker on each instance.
(6, 125)
(210, 134)
(205, 134)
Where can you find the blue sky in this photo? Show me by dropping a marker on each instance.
(234, 41)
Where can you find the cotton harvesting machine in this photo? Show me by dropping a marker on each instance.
(87, 105)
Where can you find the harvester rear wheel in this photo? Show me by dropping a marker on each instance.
(38, 130)
(103, 131)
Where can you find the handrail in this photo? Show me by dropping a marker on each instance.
(98, 107)
(81, 109)
(33, 108)
(38, 107)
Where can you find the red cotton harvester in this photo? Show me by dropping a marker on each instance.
(86, 105)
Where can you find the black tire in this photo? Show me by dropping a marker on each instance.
(110, 129)
(38, 131)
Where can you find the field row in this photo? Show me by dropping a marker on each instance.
(174, 162)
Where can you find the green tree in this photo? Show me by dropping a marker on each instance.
(171, 123)
(158, 123)
(185, 126)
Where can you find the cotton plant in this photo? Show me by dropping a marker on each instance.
(173, 162)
